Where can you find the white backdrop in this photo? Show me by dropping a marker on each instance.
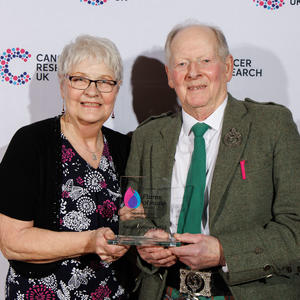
(264, 41)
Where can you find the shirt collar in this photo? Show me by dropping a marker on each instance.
(215, 120)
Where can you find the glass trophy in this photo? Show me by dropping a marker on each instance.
(144, 205)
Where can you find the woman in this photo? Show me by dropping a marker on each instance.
(61, 198)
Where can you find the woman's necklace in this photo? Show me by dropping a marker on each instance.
(93, 153)
(94, 156)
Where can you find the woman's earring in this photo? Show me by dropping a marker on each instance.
(113, 115)
(63, 108)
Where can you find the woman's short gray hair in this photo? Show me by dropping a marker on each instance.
(221, 40)
(87, 46)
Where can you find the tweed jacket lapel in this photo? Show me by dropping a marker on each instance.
(234, 136)
(164, 147)
(170, 134)
(162, 155)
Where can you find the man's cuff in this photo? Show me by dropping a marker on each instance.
(225, 269)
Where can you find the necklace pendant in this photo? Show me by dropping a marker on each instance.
(94, 156)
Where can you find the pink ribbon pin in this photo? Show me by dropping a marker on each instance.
(242, 163)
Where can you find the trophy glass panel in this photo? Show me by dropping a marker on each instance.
(144, 206)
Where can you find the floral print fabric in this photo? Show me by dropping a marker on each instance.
(89, 200)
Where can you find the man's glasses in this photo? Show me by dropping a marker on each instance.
(82, 83)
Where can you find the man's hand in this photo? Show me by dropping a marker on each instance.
(157, 255)
(202, 251)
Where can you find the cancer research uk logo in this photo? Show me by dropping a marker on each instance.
(270, 4)
(5, 58)
(132, 198)
(94, 2)
(45, 66)
(246, 67)
(99, 2)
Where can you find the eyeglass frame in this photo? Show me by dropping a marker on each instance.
(91, 81)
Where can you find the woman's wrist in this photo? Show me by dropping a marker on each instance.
(90, 242)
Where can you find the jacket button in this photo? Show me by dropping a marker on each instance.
(289, 269)
(258, 250)
(267, 268)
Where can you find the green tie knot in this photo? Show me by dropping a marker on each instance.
(199, 129)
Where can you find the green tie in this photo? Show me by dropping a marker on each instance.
(193, 199)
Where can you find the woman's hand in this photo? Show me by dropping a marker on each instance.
(107, 253)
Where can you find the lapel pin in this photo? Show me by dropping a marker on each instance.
(242, 163)
(232, 138)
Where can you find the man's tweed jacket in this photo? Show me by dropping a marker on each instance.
(256, 219)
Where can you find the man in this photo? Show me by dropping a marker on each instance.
(246, 245)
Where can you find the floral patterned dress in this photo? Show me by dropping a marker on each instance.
(89, 200)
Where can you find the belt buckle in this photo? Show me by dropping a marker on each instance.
(195, 283)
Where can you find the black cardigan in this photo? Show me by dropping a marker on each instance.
(31, 174)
